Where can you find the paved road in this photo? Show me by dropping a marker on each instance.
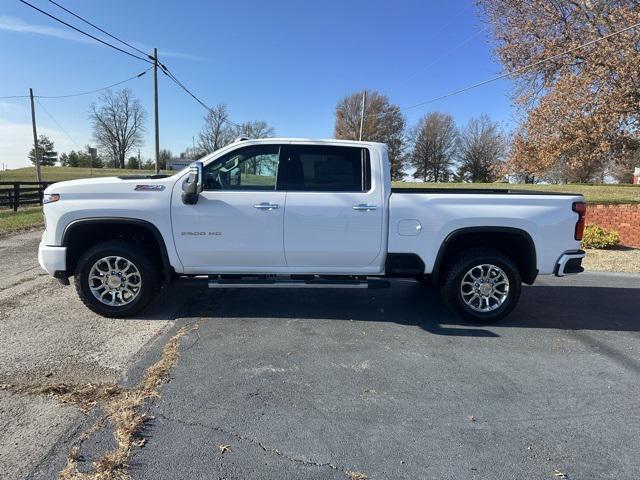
(312, 383)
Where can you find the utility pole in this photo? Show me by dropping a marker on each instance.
(35, 137)
(139, 162)
(155, 107)
(364, 101)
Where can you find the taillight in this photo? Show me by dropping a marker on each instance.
(581, 209)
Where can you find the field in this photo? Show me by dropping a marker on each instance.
(58, 174)
(592, 193)
(23, 219)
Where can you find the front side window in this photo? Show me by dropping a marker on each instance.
(250, 168)
(320, 168)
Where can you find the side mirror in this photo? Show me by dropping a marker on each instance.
(193, 186)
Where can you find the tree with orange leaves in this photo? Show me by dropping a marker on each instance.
(581, 109)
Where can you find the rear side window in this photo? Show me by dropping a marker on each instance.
(317, 168)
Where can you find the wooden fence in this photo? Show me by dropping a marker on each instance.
(18, 194)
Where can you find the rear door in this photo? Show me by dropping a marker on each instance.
(333, 216)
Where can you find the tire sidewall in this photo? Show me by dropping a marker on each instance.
(454, 295)
(131, 252)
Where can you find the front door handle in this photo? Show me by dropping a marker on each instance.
(266, 206)
(364, 207)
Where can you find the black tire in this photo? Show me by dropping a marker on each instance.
(452, 295)
(148, 273)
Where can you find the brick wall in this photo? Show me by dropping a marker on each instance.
(625, 219)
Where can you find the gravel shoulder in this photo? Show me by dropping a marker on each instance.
(48, 338)
(626, 260)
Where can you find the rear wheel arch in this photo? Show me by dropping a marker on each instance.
(515, 243)
(82, 234)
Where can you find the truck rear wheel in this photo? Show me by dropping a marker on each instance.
(483, 286)
(116, 279)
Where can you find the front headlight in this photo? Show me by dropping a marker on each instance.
(50, 198)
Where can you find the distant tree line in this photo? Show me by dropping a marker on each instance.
(433, 150)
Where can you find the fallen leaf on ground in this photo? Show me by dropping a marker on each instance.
(559, 474)
(224, 449)
(356, 475)
(139, 442)
(472, 418)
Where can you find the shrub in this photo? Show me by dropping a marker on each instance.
(598, 237)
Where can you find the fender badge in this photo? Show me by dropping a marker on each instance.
(149, 188)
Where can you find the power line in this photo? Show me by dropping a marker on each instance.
(97, 89)
(85, 33)
(168, 73)
(100, 29)
(517, 71)
(446, 54)
(522, 69)
(81, 93)
(58, 123)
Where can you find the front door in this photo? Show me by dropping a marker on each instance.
(334, 216)
(237, 224)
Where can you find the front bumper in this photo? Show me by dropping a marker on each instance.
(52, 259)
(570, 263)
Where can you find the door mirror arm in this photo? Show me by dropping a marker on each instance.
(193, 185)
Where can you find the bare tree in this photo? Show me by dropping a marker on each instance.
(481, 150)
(383, 122)
(216, 132)
(165, 157)
(118, 123)
(434, 142)
(254, 129)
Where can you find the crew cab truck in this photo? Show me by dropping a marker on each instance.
(303, 213)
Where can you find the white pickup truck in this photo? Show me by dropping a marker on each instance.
(305, 214)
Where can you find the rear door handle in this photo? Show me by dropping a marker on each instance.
(364, 207)
(266, 206)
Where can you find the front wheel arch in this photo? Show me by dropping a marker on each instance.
(82, 234)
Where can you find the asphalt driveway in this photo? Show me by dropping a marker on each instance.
(327, 384)
(291, 384)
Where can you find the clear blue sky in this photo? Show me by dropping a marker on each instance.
(286, 62)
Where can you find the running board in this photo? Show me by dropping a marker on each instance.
(287, 283)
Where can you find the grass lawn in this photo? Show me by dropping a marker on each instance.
(592, 193)
(57, 174)
(23, 219)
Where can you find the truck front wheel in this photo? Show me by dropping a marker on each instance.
(482, 286)
(116, 278)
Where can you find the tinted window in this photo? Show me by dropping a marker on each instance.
(250, 168)
(324, 169)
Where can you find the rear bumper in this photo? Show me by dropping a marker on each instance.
(52, 259)
(570, 263)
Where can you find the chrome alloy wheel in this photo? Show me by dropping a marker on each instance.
(115, 281)
(484, 288)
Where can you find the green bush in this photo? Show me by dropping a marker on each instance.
(598, 237)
